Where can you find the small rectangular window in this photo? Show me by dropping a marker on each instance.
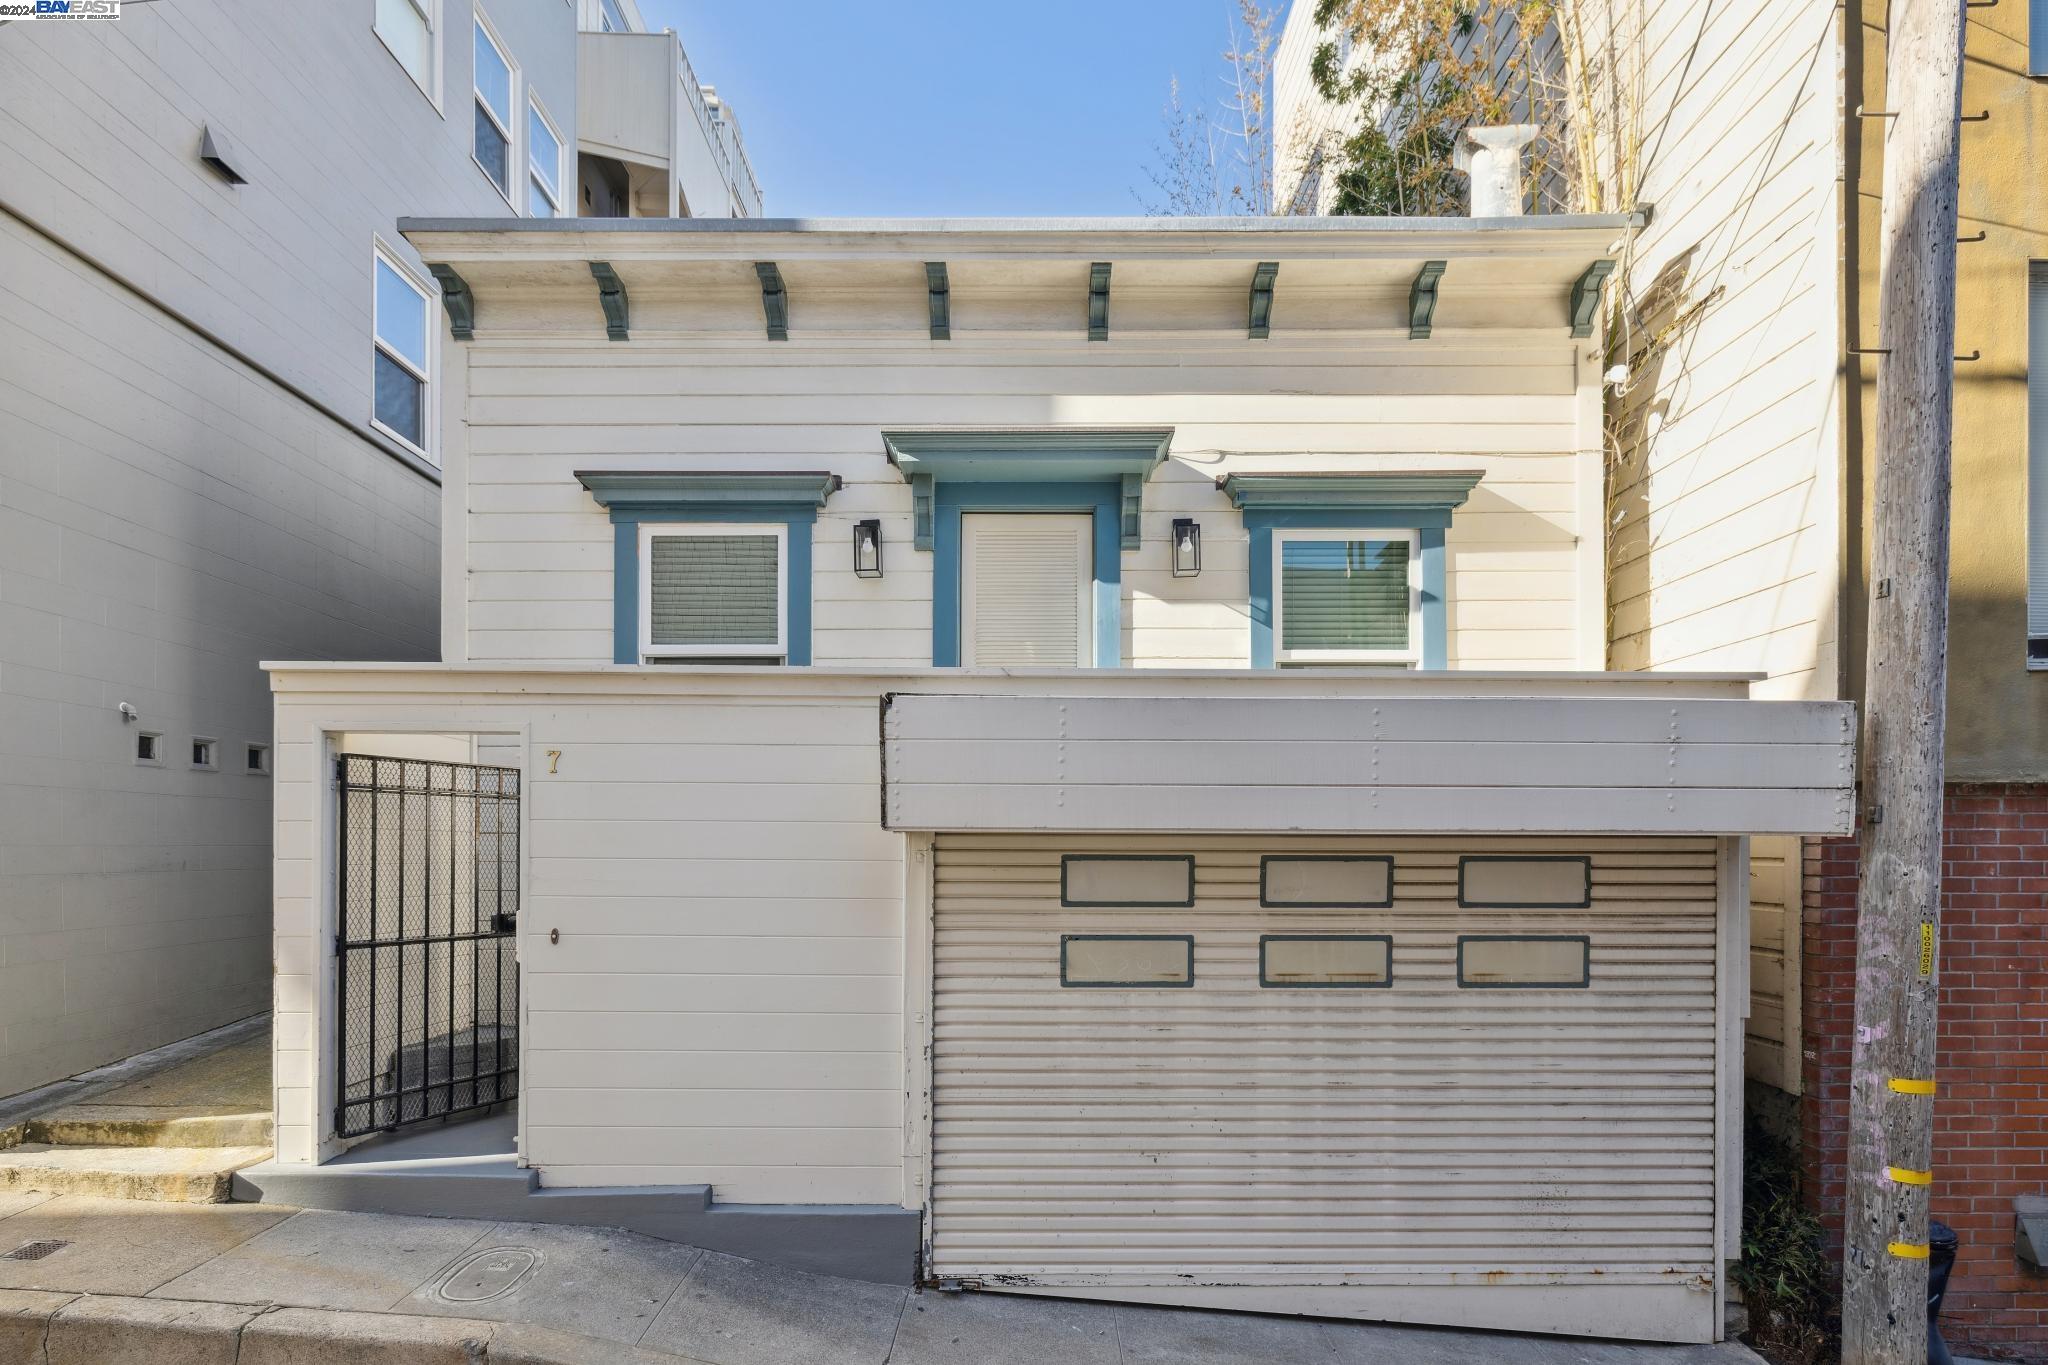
(1326, 960)
(1326, 882)
(407, 28)
(1165, 879)
(401, 331)
(1551, 961)
(543, 164)
(1141, 960)
(1510, 882)
(256, 760)
(205, 753)
(1346, 597)
(610, 18)
(149, 747)
(492, 144)
(714, 591)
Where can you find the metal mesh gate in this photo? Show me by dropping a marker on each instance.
(427, 983)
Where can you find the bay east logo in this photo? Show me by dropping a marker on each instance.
(60, 9)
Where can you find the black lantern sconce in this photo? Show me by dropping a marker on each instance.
(867, 549)
(1187, 547)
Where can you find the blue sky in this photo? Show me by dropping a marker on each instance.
(931, 107)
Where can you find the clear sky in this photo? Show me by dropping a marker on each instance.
(924, 108)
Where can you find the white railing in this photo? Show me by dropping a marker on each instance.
(722, 135)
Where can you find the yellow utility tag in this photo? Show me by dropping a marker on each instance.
(1906, 1087)
(1901, 1176)
(1908, 1251)
(1926, 948)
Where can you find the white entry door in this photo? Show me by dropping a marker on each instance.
(1027, 587)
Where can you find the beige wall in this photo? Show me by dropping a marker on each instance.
(1521, 552)
(1998, 711)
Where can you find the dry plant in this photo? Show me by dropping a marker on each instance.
(1218, 158)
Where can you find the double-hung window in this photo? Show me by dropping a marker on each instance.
(492, 146)
(714, 592)
(402, 335)
(1347, 597)
(407, 28)
(543, 164)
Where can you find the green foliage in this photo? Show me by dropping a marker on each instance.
(1380, 178)
(1786, 1279)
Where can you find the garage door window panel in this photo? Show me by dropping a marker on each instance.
(1490, 882)
(1326, 882)
(1127, 961)
(1524, 961)
(1326, 961)
(1089, 881)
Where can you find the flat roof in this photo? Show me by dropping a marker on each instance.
(1552, 222)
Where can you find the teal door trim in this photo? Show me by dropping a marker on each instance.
(1429, 526)
(1103, 499)
(635, 497)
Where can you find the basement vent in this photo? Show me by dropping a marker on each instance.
(34, 1251)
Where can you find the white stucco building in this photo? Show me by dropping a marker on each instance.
(1066, 757)
(221, 412)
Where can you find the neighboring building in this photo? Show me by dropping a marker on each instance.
(1050, 757)
(1307, 128)
(1738, 506)
(222, 414)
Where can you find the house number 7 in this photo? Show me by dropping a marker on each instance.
(554, 757)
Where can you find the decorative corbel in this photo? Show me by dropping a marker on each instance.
(1261, 321)
(1098, 301)
(774, 300)
(1586, 297)
(1133, 525)
(456, 299)
(612, 294)
(941, 300)
(1422, 300)
(921, 521)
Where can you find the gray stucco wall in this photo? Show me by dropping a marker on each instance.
(169, 516)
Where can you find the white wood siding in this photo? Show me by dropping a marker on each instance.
(1371, 1142)
(1726, 547)
(1523, 554)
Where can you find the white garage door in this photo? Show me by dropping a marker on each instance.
(1430, 1108)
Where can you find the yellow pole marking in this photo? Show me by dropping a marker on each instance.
(1910, 1087)
(1926, 948)
(1900, 1175)
(1908, 1251)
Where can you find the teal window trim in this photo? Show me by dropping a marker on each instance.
(634, 498)
(1429, 526)
(1103, 499)
(1421, 501)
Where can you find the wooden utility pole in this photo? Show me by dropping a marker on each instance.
(1891, 1099)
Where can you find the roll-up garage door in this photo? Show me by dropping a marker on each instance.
(1364, 1099)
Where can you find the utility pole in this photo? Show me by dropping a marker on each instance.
(1891, 1099)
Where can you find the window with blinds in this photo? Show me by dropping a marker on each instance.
(1346, 597)
(2037, 462)
(712, 592)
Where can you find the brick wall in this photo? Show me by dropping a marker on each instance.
(1991, 1117)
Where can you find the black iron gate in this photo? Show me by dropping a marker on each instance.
(427, 983)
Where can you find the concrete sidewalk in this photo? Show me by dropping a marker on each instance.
(259, 1285)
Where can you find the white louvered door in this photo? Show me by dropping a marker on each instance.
(1026, 590)
(1540, 1159)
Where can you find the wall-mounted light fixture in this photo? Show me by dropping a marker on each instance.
(867, 549)
(1187, 547)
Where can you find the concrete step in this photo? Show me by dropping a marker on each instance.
(111, 1125)
(170, 1175)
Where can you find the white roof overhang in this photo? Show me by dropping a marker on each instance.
(1368, 765)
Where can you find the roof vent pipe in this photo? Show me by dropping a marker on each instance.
(1493, 158)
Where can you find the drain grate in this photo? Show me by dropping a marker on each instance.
(34, 1251)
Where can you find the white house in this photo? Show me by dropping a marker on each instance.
(1060, 757)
